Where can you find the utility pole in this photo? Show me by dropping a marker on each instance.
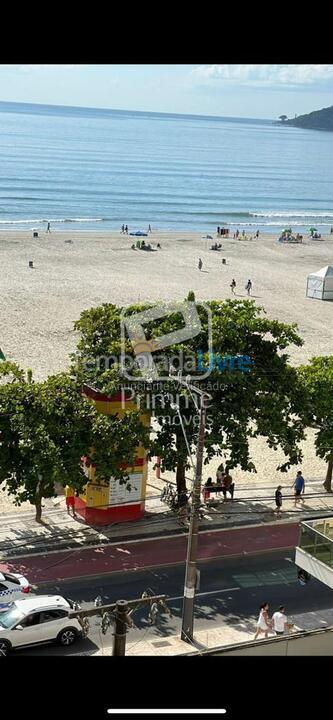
(192, 546)
(121, 622)
(122, 619)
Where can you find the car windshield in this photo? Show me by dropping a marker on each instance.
(11, 616)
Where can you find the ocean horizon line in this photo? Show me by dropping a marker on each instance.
(14, 105)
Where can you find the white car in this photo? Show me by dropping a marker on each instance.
(12, 585)
(35, 620)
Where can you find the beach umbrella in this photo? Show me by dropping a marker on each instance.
(287, 230)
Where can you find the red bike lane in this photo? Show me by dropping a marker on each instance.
(136, 555)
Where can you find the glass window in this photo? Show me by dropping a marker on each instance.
(11, 578)
(50, 615)
(11, 617)
(30, 620)
(307, 541)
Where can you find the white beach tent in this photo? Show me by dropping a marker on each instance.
(320, 284)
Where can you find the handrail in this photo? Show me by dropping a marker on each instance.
(255, 643)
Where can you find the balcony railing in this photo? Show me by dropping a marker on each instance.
(316, 539)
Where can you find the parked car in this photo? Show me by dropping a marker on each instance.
(36, 620)
(12, 585)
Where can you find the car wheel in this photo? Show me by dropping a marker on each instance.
(67, 636)
(5, 648)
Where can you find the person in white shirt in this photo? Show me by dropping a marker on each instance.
(280, 621)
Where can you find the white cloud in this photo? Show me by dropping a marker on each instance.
(264, 75)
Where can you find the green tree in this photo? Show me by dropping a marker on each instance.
(266, 398)
(45, 429)
(283, 118)
(317, 377)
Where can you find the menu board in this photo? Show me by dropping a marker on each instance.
(119, 494)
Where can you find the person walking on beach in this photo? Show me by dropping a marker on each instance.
(48, 228)
(126, 229)
(200, 264)
(149, 228)
(122, 228)
(278, 501)
(237, 233)
(263, 623)
(257, 234)
(299, 486)
(248, 287)
(233, 285)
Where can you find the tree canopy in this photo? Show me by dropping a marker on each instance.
(317, 377)
(46, 428)
(259, 395)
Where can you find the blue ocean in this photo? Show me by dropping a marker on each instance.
(83, 169)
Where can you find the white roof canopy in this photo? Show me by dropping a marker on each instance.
(326, 271)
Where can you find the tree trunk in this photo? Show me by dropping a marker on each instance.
(180, 478)
(38, 501)
(328, 481)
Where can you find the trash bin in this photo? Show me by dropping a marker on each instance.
(35, 233)
(224, 262)
(31, 263)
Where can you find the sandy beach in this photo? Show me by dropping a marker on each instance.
(40, 305)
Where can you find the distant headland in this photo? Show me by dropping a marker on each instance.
(317, 120)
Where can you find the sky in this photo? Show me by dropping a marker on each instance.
(253, 91)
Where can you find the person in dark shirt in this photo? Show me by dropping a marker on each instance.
(208, 484)
(278, 501)
(227, 485)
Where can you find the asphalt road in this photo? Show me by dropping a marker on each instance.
(231, 591)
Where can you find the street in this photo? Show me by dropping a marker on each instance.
(230, 592)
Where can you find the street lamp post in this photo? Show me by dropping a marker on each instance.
(192, 546)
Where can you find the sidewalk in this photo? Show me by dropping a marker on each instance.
(222, 636)
(20, 535)
(173, 645)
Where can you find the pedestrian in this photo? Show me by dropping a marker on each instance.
(263, 623)
(257, 234)
(278, 501)
(219, 473)
(280, 621)
(237, 233)
(70, 499)
(248, 287)
(149, 228)
(233, 285)
(122, 228)
(200, 264)
(228, 486)
(208, 484)
(48, 228)
(126, 229)
(299, 486)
